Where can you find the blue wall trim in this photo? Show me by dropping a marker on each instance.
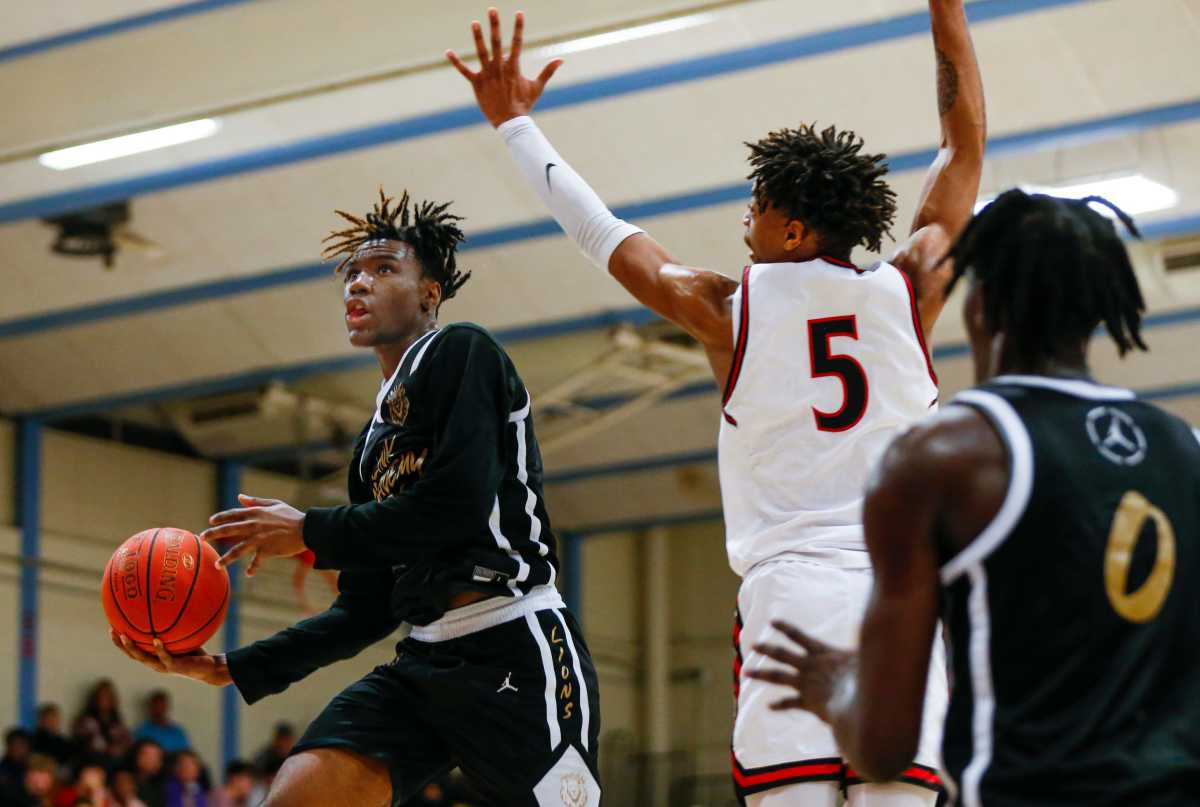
(707, 456)
(29, 495)
(229, 484)
(115, 27)
(687, 70)
(295, 372)
(725, 194)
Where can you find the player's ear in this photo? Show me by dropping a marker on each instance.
(431, 296)
(794, 235)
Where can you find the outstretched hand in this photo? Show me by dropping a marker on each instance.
(262, 528)
(502, 92)
(197, 665)
(815, 675)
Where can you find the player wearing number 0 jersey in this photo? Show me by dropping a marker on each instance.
(793, 535)
(1052, 523)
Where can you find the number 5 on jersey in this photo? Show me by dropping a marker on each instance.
(826, 364)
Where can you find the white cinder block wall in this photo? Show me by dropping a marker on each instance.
(96, 493)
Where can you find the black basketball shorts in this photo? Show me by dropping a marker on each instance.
(515, 705)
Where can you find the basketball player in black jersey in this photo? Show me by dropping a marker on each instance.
(447, 531)
(1058, 521)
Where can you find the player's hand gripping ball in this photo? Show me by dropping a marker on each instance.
(165, 584)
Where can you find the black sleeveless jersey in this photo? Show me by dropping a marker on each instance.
(1074, 618)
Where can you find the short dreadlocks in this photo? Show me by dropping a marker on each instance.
(1052, 270)
(827, 183)
(433, 234)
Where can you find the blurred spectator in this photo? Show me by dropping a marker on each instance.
(184, 788)
(268, 760)
(159, 726)
(89, 785)
(123, 787)
(99, 727)
(36, 789)
(304, 565)
(434, 795)
(238, 787)
(16, 756)
(147, 759)
(49, 739)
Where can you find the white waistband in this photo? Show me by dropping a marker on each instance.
(487, 614)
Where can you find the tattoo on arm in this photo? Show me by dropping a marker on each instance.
(947, 81)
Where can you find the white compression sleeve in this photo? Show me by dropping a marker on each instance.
(572, 202)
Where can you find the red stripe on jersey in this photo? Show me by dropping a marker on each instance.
(739, 350)
(916, 318)
(837, 262)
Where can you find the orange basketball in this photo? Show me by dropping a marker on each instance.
(165, 584)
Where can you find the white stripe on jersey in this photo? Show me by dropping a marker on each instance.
(1020, 484)
(383, 391)
(506, 545)
(979, 653)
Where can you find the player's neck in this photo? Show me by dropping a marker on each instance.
(391, 354)
(1071, 367)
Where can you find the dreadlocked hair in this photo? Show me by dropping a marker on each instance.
(1052, 270)
(827, 183)
(433, 234)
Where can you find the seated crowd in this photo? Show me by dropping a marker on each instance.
(102, 763)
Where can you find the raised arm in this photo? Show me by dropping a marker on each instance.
(952, 186)
(694, 299)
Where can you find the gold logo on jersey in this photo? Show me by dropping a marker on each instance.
(397, 405)
(1145, 603)
(573, 790)
(391, 472)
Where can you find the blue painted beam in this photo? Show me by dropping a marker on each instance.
(229, 485)
(296, 372)
(114, 27)
(29, 494)
(1158, 394)
(629, 82)
(708, 456)
(572, 573)
(1055, 137)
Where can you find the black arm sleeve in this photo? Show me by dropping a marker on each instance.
(469, 388)
(358, 618)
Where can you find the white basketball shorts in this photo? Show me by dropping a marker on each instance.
(775, 749)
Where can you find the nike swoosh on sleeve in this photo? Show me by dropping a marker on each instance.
(548, 167)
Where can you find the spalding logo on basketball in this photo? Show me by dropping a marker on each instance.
(165, 584)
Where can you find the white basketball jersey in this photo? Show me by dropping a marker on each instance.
(830, 365)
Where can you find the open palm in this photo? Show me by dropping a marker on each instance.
(500, 89)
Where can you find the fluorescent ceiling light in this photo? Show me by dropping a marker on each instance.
(626, 35)
(126, 145)
(1133, 193)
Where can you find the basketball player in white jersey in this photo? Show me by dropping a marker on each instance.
(822, 363)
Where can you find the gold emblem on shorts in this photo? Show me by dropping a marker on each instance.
(573, 790)
(397, 405)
